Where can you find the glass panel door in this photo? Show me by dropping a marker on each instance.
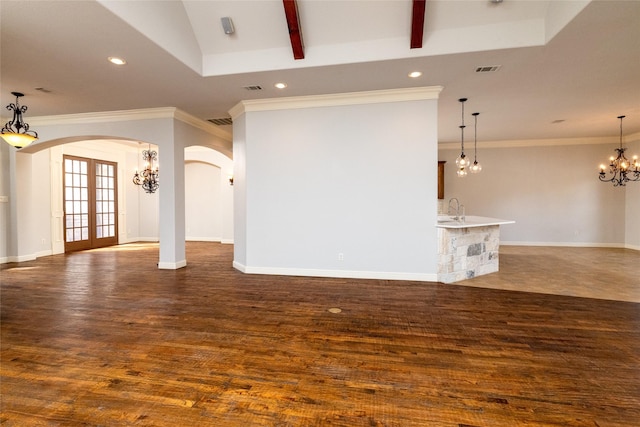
(106, 227)
(76, 204)
(90, 201)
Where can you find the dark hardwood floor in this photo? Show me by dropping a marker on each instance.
(104, 338)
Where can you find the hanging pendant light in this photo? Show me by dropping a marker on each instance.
(476, 167)
(149, 177)
(16, 132)
(621, 170)
(462, 163)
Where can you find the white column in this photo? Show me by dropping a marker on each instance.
(172, 215)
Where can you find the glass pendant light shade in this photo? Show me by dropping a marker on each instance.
(18, 140)
(476, 167)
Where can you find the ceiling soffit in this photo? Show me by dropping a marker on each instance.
(336, 32)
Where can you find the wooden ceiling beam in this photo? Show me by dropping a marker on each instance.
(295, 32)
(417, 23)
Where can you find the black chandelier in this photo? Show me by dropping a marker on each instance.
(621, 170)
(16, 132)
(148, 178)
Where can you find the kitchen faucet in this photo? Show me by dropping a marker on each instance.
(458, 208)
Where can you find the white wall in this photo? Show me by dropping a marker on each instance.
(339, 190)
(552, 192)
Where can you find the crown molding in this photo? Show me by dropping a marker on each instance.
(339, 99)
(554, 142)
(131, 115)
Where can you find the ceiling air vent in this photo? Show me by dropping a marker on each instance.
(488, 68)
(253, 87)
(224, 121)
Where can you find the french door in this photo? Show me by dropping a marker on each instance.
(90, 203)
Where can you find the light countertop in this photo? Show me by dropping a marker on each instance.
(446, 221)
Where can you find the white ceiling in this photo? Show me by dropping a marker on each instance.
(577, 61)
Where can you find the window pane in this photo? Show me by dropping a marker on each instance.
(83, 167)
(84, 206)
(76, 180)
(68, 193)
(112, 195)
(99, 232)
(76, 166)
(83, 181)
(98, 207)
(70, 235)
(84, 194)
(76, 207)
(98, 194)
(77, 234)
(85, 233)
(69, 207)
(68, 165)
(112, 218)
(112, 207)
(112, 230)
(85, 220)
(69, 221)
(76, 221)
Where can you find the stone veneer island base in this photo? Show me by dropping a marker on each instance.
(468, 248)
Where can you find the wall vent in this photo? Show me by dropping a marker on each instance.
(488, 68)
(223, 121)
(253, 87)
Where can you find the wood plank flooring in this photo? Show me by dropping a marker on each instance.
(104, 338)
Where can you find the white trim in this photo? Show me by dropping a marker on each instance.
(172, 265)
(545, 142)
(19, 258)
(130, 115)
(350, 274)
(227, 241)
(47, 252)
(632, 247)
(203, 239)
(105, 116)
(338, 99)
(566, 244)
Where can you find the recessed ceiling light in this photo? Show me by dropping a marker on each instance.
(280, 85)
(116, 60)
(415, 74)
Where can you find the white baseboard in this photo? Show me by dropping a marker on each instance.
(20, 258)
(172, 265)
(347, 274)
(202, 239)
(565, 244)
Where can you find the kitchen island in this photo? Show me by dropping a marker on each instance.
(468, 247)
